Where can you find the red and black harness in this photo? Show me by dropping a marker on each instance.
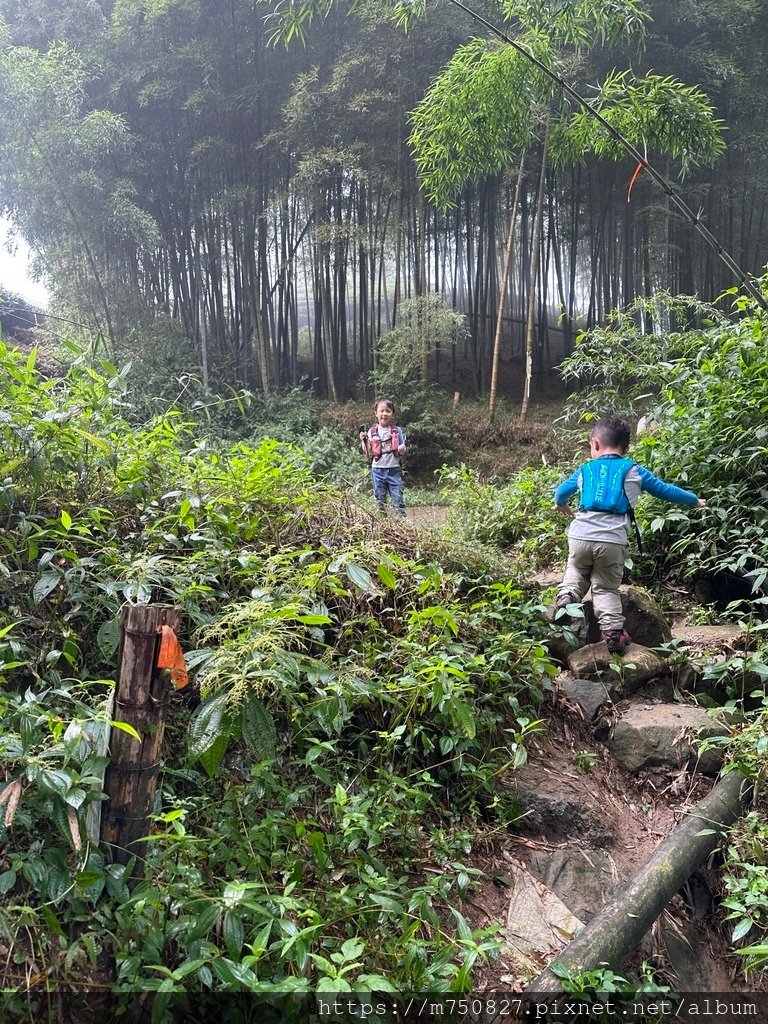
(374, 444)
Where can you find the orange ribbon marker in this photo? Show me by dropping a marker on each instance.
(635, 176)
(171, 656)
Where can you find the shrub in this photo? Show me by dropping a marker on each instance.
(363, 691)
(518, 517)
(708, 389)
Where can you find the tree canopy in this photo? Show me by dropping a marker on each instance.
(265, 210)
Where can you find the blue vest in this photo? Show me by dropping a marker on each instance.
(602, 485)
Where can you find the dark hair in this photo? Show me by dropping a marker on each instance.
(384, 401)
(612, 432)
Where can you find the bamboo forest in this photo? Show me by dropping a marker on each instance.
(383, 511)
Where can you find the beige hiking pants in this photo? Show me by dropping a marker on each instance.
(601, 565)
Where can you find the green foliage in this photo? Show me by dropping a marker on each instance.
(362, 692)
(517, 516)
(53, 767)
(452, 691)
(488, 105)
(656, 114)
(602, 980)
(745, 876)
(744, 676)
(335, 918)
(585, 760)
(423, 324)
(623, 365)
(580, 24)
(708, 390)
(467, 126)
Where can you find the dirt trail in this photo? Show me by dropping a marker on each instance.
(428, 515)
(597, 813)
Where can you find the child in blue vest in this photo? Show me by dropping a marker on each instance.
(609, 486)
(384, 444)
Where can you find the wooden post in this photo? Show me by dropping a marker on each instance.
(140, 701)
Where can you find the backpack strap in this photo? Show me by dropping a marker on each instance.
(394, 438)
(633, 520)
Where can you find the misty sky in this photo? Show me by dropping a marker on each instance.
(14, 274)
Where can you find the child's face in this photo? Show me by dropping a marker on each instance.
(384, 415)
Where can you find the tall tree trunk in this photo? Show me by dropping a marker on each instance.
(503, 291)
(421, 317)
(535, 254)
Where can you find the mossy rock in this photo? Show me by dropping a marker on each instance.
(645, 621)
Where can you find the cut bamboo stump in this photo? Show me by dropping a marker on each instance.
(620, 926)
(140, 701)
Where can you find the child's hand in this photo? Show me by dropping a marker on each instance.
(701, 502)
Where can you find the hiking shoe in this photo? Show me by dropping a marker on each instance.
(616, 640)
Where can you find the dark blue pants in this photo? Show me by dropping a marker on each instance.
(389, 482)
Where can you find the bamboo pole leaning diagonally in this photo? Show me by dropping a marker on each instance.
(619, 927)
(141, 701)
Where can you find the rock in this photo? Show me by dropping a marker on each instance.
(590, 694)
(690, 959)
(644, 620)
(650, 735)
(538, 922)
(724, 640)
(584, 880)
(559, 648)
(638, 664)
(557, 819)
(690, 678)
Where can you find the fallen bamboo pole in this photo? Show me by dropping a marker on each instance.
(141, 698)
(620, 926)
